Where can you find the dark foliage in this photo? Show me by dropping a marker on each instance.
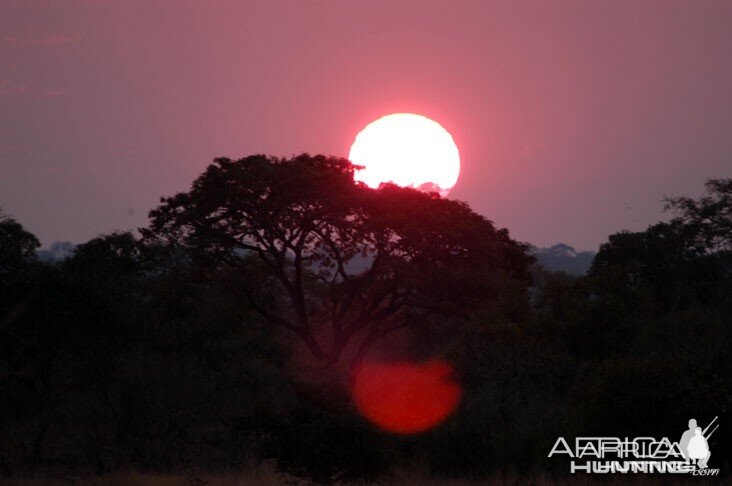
(215, 341)
(341, 264)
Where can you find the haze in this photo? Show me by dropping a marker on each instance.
(573, 119)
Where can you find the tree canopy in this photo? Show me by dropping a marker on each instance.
(17, 246)
(347, 261)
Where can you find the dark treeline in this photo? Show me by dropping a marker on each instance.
(226, 332)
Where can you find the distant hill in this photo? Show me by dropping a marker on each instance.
(564, 258)
(56, 252)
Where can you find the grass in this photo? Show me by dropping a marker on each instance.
(265, 476)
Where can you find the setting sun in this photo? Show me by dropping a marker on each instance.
(409, 150)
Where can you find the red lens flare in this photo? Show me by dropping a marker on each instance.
(406, 398)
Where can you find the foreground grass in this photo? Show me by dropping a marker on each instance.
(269, 477)
(138, 479)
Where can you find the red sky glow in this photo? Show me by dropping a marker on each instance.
(573, 118)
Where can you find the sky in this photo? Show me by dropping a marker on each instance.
(573, 118)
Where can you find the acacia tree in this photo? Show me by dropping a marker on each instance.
(333, 261)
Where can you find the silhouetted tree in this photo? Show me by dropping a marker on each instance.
(17, 246)
(685, 261)
(335, 260)
(710, 215)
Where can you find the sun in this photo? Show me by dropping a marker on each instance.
(409, 150)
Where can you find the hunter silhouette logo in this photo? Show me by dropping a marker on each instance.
(603, 455)
(694, 443)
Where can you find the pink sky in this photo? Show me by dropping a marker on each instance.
(573, 119)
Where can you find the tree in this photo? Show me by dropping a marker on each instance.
(333, 261)
(17, 246)
(710, 215)
(686, 260)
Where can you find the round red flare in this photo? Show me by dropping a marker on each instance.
(406, 398)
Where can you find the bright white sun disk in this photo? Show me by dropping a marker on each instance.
(409, 150)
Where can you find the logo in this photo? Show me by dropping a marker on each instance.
(610, 455)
